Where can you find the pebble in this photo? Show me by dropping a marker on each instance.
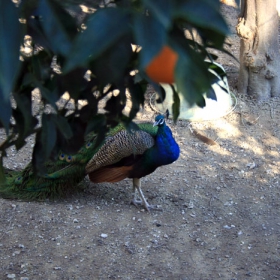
(227, 227)
(191, 205)
(251, 165)
(11, 276)
(75, 221)
(16, 253)
(104, 235)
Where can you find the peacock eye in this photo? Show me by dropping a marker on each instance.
(69, 159)
(88, 145)
(18, 180)
(62, 157)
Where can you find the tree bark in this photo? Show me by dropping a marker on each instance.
(259, 73)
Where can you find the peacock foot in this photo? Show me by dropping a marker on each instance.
(145, 204)
(136, 202)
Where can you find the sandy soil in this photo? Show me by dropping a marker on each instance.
(220, 203)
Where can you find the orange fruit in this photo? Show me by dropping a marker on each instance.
(162, 67)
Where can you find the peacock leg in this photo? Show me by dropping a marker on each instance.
(137, 186)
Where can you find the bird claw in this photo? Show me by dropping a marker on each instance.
(147, 206)
(152, 207)
(136, 202)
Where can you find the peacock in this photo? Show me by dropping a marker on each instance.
(123, 154)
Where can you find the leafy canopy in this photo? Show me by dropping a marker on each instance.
(100, 41)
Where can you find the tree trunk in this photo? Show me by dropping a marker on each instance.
(259, 73)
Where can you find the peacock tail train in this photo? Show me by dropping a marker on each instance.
(62, 177)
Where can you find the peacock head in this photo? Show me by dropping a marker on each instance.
(159, 120)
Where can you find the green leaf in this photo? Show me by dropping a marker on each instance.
(63, 126)
(160, 91)
(218, 76)
(25, 121)
(48, 135)
(211, 94)
(40, 64)
(73, 82)
(96, 123)
(110, 66)
(104, 28)
(150, 34)
(38, 155)
(37, 33)
(115, 105)
(55, 20)
(176, 104)
(5, 110)
(204, 14)
(48, 91)
(211, 38)
(73, 144)
(162, 10)
(216, 68)
(2, 172)
(137, 97)
(11, 36)
(192, 79)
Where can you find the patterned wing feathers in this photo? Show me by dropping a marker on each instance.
(121, 145)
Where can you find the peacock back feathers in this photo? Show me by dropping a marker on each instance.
(121, 145)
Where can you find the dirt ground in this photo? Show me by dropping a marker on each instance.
(220, 218)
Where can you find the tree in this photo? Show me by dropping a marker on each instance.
(259, 73)
(103, 46)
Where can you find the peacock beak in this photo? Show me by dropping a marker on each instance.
(155, 123)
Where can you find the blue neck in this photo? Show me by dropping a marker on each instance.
(166, 150)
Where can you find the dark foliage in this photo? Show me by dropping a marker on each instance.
(99, 42)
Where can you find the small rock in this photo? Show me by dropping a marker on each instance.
(227, 227)
(251, 165)
(57, 268)
(11, 276)
(104, 235)
(75, 221)
(190, 206)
